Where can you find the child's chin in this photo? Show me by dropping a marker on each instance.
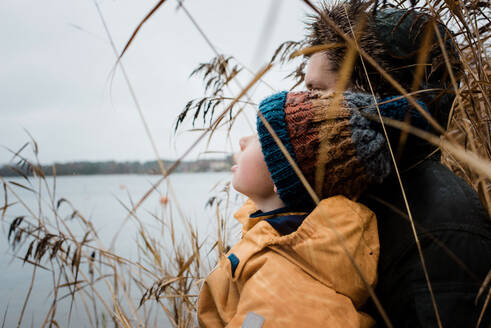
(236, 185)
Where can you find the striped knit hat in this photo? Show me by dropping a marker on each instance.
(338, 150)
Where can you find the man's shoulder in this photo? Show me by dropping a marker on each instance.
(434, 193)
(438, 195)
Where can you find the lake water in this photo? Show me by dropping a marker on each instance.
(99, 199)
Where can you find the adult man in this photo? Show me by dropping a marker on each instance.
(453, 229)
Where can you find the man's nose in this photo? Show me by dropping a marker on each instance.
(235, 158)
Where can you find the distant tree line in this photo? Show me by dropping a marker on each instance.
(113, 167)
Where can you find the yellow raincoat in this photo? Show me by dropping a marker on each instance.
(303, 279)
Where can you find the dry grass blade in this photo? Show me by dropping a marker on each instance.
(197, 105)
(79, 288)
(152, 248)
(120, 316)
(137, 29)
(157, 289)
(186, 265)
(341, 84)
(61, 201)
(6, 200)
(21, 316)
(483, 287)
(437, 241)
(363, 55)
(470, 122)
(22, 186)
(198, 140)
(14, 225)
(217, 73)
(42, 247)
(284, 52)
(315, 198)
(17, 153)
(205, 104)
(413, 227)
(484, 307)
(34, 142)
(475, 162)
(267, 30)
(5, 207)
(424, 51)
(5, 315)
(137, 104)
(352, 43)
(213, 48)
(33, 263)
(54, 323)
(19, 172)
(72, 283)
(318, 48)
(29, 250)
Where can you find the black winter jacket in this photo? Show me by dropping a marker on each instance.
(455, 234)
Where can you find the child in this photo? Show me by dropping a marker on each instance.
(290, 269)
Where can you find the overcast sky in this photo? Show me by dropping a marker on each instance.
(56, 63)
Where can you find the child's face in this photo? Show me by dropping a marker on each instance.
(251, 175)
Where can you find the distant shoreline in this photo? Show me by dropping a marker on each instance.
(113, 167)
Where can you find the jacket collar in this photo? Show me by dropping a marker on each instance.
(248, 215)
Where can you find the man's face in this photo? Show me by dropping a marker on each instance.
(320, 73)
(251, 175)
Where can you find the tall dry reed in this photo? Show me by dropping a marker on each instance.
(88, 271)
